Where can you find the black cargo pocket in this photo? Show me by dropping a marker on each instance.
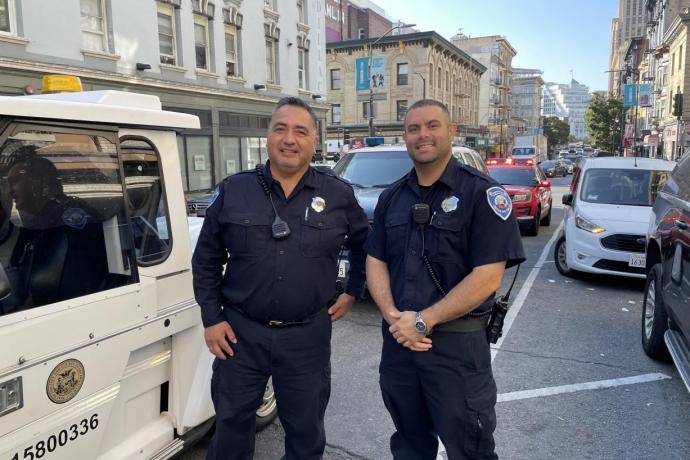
(481, 422)
(446, 239)
(322, 236)
(246, 234)
(396, 233)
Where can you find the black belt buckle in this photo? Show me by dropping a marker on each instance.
(280, 323)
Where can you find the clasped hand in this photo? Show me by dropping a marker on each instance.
(402, 328)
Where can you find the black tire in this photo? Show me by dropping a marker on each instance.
(533, 229)
(268, 410)
(654, 317)
(559, 258)
(546, 221)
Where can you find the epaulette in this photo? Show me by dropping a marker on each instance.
(475, 172)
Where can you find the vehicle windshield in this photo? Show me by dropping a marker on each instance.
(630, 187)
(547, 164)
(514, 176)
(523, 150)
(373, 169)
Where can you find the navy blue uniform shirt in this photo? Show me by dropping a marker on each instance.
(270, 279)
(469, 227)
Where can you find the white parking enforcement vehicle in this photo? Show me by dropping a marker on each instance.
(101, 342)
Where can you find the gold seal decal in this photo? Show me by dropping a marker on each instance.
(65, 381)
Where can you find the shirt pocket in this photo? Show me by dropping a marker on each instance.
(396, 234)
(246, 233)
(447, 238)
(322, 235)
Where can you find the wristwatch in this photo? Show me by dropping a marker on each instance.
(420, 325)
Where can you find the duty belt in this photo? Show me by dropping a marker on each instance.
(280, 322)
(462, 324)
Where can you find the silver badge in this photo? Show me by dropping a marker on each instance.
(450, 204)
(318, 204)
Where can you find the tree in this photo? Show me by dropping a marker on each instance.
(602, 119)
(556, 131)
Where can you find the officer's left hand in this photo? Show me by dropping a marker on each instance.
(341, 306)
(406, 334)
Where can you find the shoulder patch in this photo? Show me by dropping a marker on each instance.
(214, 197)
(75, 218)
(499, 201)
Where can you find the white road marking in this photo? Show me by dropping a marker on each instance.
(596, 385)
(524, 291)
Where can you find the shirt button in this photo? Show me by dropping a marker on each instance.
(280, 278)
(413, 252)
(246, 221)
(281, 252)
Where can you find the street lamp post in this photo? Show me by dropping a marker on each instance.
(371, 87)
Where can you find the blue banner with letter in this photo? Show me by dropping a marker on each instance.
(362, 72)
(629, 95)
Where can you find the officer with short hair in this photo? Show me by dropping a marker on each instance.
(442, 237)
(278, 230)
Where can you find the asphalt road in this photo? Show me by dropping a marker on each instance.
(572, 378)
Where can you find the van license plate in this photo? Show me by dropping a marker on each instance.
(342, 268)
(637, 260)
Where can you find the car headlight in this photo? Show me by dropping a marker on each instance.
(587, 225)
(522, 197)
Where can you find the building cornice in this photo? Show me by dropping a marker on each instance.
(674, 29)
(426, 38)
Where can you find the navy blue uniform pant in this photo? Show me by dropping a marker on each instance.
(447, 392)
(298, 359)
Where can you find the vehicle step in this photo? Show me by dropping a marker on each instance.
(680, 354)
(169, 450)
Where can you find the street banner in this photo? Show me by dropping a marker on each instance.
(378, 71)
(644, 95)
(362, 72)
(629, 95)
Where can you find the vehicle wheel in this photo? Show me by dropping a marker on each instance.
(654, 317)
(560, 258)
(268, 410)
(546, 221)
(533, 229)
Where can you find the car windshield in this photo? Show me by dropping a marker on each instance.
(630, 187)
(514, 176)
(373, 169)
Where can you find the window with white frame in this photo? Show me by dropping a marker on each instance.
(201, 42)
(231, 61)
(402, 74)
(335, 114)
(166, 34)
(335, 79)
(302, 68)
(401, 109)
(300, 12)
(270, 60)
(93, 25)
(7, 25)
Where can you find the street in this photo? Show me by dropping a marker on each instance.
(572, 378)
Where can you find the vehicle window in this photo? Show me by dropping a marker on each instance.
(679, 181)
(146, 200)
(632, 187)
(513, 176)
(523, 150)
(64, 229)
(373, 169)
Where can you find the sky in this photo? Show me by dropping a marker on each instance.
(552, 35)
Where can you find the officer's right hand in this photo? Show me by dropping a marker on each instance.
(217, 337)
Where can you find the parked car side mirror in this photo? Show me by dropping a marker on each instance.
(568, 199)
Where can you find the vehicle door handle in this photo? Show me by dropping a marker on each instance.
(682, 225)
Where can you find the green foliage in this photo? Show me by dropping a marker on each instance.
(556, 131)
(602, 119)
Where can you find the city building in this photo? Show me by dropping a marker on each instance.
(675, 129)
(354, 20)
(528, 87)
(412, 67)
(227, 62)
(629, 23)
(635, 73)
(495, 106)
(568, 102)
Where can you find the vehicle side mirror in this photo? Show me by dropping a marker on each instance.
(5, 287)
(568, 199)
(546, 184)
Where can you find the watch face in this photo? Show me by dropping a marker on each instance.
(420, 326)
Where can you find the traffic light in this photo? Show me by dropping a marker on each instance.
(346, 136)
(678, 104)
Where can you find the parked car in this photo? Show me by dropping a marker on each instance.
(665, 313)
(197, 203)
(607, 215)
(553, 168)
(494, 161)
(530, 192)
(470, 157)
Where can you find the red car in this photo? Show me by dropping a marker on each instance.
(531, 194)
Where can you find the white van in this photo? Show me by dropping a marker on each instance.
(101, 344)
